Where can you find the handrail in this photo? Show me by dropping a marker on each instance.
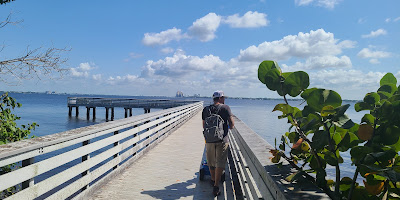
(90, 153)
(257, 176)
(126, 102)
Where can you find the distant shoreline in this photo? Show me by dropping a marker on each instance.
(247, 98)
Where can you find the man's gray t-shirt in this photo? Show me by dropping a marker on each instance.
(224, 112)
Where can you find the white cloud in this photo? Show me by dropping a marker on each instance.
(367, 53)
(181, 65)
(97, 77)
(303, 45)
(397, 19)
(320, 62)
(248, 20)
(163, 37)
(127, 79)
(374, 61)
(204, 28)
(167, 50)
(82, 70)
(321, 3)
(375, 33)
(362, 20)
(387, 20)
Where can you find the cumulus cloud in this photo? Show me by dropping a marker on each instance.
(320, 62)
(163, 37)
(127, 79)
(373, 55)
(375, 33)
(82, 70)
(396, 19)
(321, 3)
(248, 20)
(367, 53)
(204, 28)
(180, 65)
(302, 45)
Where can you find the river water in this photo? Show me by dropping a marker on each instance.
(50, 111)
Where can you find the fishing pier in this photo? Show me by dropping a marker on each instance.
(91, 103)
(150, 156)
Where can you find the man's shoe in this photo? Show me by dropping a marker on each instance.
(216, 191)
(212, 182)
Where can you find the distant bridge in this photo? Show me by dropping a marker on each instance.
(105, 161)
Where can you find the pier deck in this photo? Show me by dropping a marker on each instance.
(169, 171)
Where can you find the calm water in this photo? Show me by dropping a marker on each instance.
(51, 113)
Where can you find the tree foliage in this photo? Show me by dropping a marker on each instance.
(322, 132)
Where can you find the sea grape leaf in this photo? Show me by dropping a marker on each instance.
(371, 98)
(343, 121)
(363, 106)
(284, 108)
(296, 82)
(264, 67)
(359, 152)
(365, 131)
(272, 79)
(327, 110)
(389, 78)
(342, 109)
(320, 139)
(320, 98)
(389, 88)
(368, 118)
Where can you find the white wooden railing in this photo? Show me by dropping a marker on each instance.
(76, 162)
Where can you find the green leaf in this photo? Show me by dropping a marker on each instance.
(368, 118)
(359, 152)
(362, 106)
(307, 92)
(384, 95)
(371, 98)
(342, 109)
(321, 182)
(330, 158)
(388, 79)
(320, 98)
(284, 108)
(344, 121)
(320, 139)
(389, 88)
(296, 82)
(273, 79)
(264, 67)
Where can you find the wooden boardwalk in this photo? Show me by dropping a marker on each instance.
(169, 171)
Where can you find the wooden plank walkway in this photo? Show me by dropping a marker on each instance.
(169, 171)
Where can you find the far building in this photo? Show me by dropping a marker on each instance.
(179, 94)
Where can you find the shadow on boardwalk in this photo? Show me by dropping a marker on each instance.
(191, 189)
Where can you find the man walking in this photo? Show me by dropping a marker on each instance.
(217, 152)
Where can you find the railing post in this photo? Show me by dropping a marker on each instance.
(126, 112)
(84, 158)
(94, 112)
(130, 112)
(116, 144)
(29, 182)
(112, 114)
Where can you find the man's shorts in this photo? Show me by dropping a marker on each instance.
(217, 154)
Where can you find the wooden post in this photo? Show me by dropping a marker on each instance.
(112, 114)
(29, 182)
(87, 112)
(84, 158)
(130, 112)
(116, 144)
(126, 112)
(94, 112)
(77, 110)
(70, 111)
(106, 114)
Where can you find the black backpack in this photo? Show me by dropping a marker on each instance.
(213, 125)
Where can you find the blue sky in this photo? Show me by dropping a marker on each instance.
(159, 47)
